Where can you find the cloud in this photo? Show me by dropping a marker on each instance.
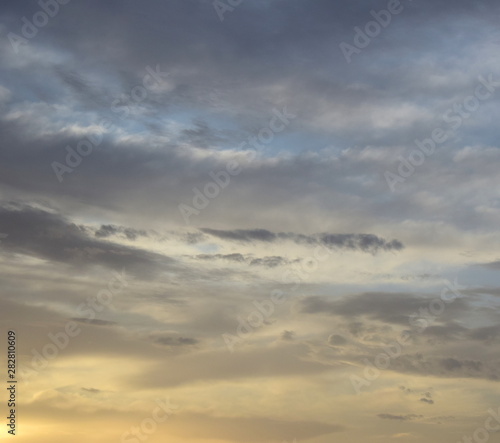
(202, 135)
(167, 340)
(337, 340)
(318, 183)
(392, 308)
(268, 262)
(452, 364)
(95, 321)
(485, 333)
(48, 235)
(109, 230)
(360, 242)
(92, 390)
(287, 335)
(448, 367)
(399, 417)
(427, 400)
(243, 235)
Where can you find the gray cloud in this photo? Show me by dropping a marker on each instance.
(167, 340)
(362, 242)
(268, 262)
(395, 308)
(47, 235)
(427, 400)
(486, 333)
(243, 235)
(399, 417)
(452, 364)
(287, 335)
(492, 265)
(239, 258)
(449, 367)
(109, 230)
(92, 390)
(337, 340)
(202, 135)
(95, 321)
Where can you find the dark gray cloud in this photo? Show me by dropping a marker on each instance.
(268, 262)
(448, 331)
(193, 237)
(486, 333)
(287, 335)
(427, 400)
(236, 257)
(362, 242)
(94, 321)
(453, 331)
(337, 340)
(399, 417)
(424, 397)
(92, 390)
(392, 308)
(271, 262)
(482, 291)
(492, 265)
(109, 230)
(48, 235)
(168, 340)
(448, 367)
(243, 235)
(202, 135)
(452, 364)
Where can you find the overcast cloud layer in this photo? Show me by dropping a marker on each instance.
(280, 214)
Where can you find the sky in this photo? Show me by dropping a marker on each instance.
(240, 221)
